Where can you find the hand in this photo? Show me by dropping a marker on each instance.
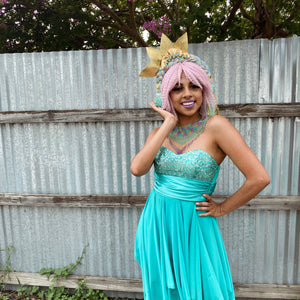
(164, 114)
(211, 207)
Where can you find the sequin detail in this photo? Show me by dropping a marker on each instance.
(195, 164)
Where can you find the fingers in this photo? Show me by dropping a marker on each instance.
(164, 113)
(207, 208)
(203, 208)
(206, 214)
(205, 203)
(152, 104)
(207, 197)
(156, 108)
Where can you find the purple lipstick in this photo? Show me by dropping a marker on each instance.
(188, 103)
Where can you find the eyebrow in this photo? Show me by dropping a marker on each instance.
(180, 84)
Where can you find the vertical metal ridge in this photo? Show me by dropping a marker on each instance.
(94, 158)
(279, 70)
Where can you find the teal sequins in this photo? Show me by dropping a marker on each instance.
(196, 164)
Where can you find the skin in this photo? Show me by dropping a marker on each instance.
(219, 139)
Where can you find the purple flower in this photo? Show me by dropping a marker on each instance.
(4, 1)
(2, 25)
(159, 26)
(153, 25)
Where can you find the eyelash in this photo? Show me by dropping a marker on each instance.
(179, 88)
(175, 89)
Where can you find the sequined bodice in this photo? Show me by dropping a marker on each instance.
(196, 164)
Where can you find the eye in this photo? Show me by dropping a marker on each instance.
(177, 88)
(194, 86)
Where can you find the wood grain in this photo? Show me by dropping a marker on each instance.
(80, 201)
(143, 114)
(255, 291)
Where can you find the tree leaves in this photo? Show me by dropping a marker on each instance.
(52, 25)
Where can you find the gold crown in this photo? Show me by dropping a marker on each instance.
(159, 57)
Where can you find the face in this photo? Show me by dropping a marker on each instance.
(186, 99)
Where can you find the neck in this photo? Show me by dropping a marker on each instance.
(187, 120)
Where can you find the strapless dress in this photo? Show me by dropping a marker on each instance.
(182, 255)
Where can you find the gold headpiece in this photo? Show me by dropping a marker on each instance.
(159, 57)
(164, 58)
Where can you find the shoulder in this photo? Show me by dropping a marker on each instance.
(218, 123)
(222, 130)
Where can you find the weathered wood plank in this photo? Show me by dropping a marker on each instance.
(61, 200)
(272, 291)
(94, 282)
(256, 291)
(274, 203)
(53, 200)
(143, 114)
(260, 110)
(77, 116)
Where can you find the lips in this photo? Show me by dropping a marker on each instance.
(188, 103)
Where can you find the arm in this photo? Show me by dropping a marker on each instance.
(232, 144)
(143, 161)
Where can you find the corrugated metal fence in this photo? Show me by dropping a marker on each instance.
(70, 122)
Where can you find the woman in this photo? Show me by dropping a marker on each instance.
(178, 242)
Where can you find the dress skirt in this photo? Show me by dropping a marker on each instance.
(181, 255)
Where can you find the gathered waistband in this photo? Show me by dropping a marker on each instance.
(182, 188)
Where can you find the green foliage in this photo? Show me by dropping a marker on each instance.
(6, 267)
(60, 293)
(36, 25)
(52, 25)
(81, 292)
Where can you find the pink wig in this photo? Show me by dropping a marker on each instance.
(197, 76)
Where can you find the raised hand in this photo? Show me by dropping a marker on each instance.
(163, 113)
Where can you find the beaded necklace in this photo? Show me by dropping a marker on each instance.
(185, 135)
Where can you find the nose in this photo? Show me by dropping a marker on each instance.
(187, 92)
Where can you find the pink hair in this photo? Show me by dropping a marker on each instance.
(196, 75)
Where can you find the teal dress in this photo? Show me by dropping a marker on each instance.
(182, 255)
